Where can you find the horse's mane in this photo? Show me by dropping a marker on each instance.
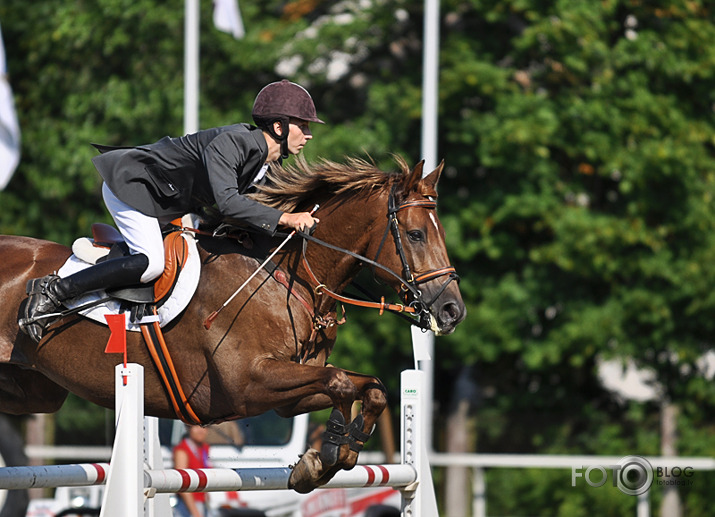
(293, 186)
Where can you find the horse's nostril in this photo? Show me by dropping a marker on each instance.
(452, 313)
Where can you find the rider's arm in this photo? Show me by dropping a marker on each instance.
(231, 164)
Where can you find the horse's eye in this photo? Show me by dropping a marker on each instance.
(416, 236)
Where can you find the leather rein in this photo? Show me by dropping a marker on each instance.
(408, 282)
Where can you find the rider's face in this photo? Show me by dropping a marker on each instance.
(298, 135)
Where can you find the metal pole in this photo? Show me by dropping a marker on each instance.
(191, 66)
(430, 75)
(643, 505)
(158, 505)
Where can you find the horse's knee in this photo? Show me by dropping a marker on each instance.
(374, 397)
(340, 388)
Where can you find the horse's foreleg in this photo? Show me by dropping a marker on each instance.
(306, 405)
(369, 390)
(309, 388)
(341, 442)
(298, 388)
(24, 391)
(373, 395)
(345, 439)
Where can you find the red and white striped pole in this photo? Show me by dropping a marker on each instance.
(128, 483)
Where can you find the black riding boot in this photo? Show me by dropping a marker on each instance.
(46, 294)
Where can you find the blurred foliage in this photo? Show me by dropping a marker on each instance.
(579, 143)
(79, 423)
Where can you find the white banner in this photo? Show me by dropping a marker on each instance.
(9, 128)
(227, 17)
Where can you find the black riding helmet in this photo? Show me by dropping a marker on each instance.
(281, 101)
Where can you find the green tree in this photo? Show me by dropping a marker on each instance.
(580, 157)
(587, 128)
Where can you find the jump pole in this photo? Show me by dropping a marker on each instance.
(412, 476)
(418, 498)
(133, 490)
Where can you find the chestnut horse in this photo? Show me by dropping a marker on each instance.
(268, 348)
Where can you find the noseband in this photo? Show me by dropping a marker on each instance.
(408, 282)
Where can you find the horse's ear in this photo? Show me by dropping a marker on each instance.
(413, 178)
(428, 185)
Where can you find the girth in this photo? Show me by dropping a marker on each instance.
(154, 338)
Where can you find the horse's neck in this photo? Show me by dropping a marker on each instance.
(351, 225)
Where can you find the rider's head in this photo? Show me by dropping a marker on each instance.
(280, 102)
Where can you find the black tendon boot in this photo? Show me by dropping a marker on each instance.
(46, 294)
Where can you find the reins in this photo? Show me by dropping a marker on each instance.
(321, 288)
(408, 282)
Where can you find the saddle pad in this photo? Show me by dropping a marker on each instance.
(180, 297)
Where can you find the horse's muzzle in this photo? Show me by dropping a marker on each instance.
(449, 314)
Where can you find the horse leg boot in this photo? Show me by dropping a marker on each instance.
(335, 436)
(46, 294)
(374, 400)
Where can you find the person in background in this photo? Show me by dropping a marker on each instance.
(192, 453)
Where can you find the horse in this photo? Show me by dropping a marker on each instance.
(268, 349)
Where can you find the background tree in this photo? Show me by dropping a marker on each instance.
(577, 197)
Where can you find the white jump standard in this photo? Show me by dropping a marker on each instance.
(134, 491)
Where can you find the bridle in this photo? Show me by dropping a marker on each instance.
(409, 283)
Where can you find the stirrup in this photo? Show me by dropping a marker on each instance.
(38, 315)
(39, 286)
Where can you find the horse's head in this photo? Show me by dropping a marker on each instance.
(418, 252)
(411, 248)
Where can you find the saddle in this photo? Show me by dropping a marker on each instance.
(143, 300)
(107, 243)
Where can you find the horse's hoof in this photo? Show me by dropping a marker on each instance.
(305, 474)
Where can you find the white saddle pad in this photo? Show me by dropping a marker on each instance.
(180, 297)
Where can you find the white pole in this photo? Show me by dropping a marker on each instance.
(430, 75)
(643, 505)
(272, 478)
(418, 499)
(155, 505)
(123, 496)
(479, 493)
(191, 66)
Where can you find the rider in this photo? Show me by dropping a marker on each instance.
(147, 186)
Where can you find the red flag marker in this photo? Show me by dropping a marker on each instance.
(117, 343)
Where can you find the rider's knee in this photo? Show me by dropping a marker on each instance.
(154, 269)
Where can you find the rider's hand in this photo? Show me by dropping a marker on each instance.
(301, 221)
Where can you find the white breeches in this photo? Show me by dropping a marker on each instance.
(141, 232)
